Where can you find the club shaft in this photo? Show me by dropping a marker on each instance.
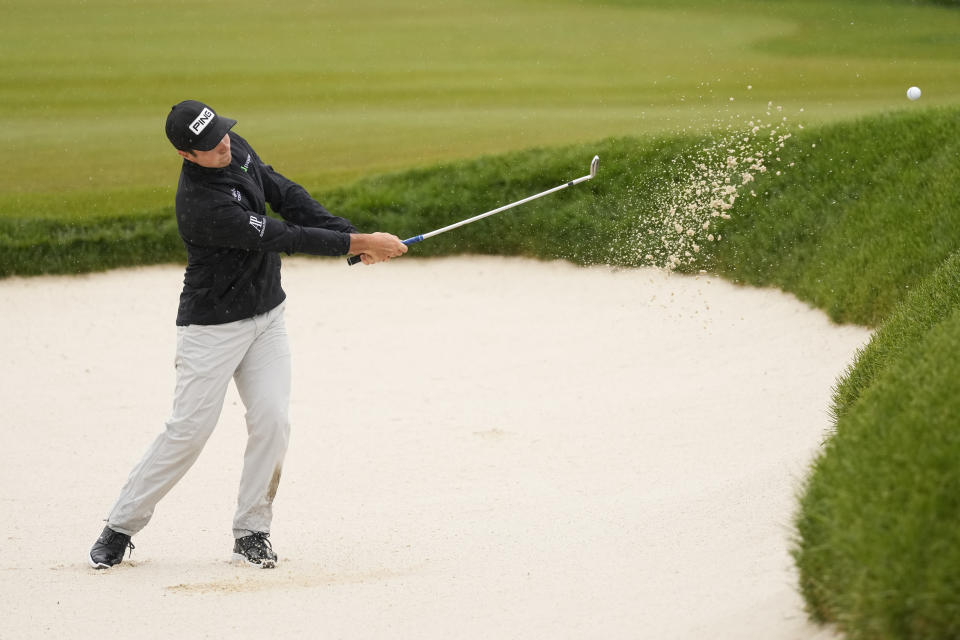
(497, 210)
(593, 171)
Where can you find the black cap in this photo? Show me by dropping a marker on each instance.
(194, 125)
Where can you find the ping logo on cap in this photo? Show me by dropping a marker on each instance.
(206, 117)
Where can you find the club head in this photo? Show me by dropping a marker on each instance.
(593, 165)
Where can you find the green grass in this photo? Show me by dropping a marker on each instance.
(856, 222)
(584, 224)
(927, 306)
(862, 218)
(331, 92)
(865, 227)
(878, 545)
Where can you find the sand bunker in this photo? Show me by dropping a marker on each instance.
(481, 448)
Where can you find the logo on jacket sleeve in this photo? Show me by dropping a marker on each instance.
(259, 224)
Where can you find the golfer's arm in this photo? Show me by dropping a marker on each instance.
(296, 205)
(376, 245)
(361, 243)
(229, 225)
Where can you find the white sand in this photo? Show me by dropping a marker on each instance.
(482, 448)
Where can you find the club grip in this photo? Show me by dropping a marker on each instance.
(352, 260)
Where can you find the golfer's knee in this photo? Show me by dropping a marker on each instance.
(269, 412)
(270, 426)
(190, 429)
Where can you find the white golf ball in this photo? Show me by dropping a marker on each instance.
(913, 93)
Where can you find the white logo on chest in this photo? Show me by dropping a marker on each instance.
(236, 193)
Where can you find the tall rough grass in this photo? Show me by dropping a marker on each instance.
(878, 541)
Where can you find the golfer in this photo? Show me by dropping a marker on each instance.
(230, 324)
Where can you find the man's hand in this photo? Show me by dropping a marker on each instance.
(376, 247)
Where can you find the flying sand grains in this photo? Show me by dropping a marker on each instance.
(687, 213)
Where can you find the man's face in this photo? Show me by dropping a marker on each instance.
(216, 158)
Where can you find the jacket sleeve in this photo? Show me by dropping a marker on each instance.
(222, 222)
(293, 202)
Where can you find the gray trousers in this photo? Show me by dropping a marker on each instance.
(256, 354)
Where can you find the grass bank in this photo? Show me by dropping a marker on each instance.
(860, 214)
(868, 212)
(867, 229)
(878, 547)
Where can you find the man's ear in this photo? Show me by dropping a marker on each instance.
(185, 154)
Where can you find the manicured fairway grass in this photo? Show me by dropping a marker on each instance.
(330, 92)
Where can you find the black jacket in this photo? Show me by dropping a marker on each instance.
(233, 264)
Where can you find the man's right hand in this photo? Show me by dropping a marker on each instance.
(376, 247)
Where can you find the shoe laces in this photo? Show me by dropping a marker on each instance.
(257, 540)
(129, 543)
(262, 539)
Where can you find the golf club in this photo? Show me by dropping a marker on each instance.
(415, 239)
